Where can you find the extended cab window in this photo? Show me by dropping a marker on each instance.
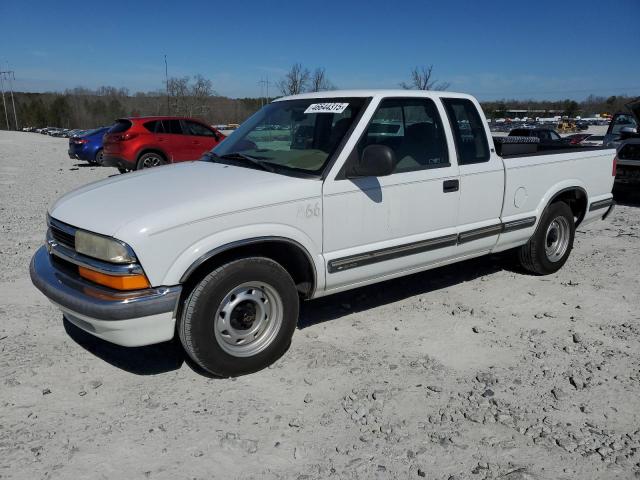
(411, 127)
(468, 131)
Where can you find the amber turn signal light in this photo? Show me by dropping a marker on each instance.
(117, 282)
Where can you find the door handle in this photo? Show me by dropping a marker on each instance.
(450, 186)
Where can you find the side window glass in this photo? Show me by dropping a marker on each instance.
(194, 128)
(468, 131)
(413, 130)
(154, 126)
(172, 126)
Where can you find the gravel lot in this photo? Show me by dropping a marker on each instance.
(472, 371)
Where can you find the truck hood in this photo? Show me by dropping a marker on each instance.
(166, 197)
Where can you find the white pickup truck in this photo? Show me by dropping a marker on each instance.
(314, 194)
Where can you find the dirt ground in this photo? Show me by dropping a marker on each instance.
(473, 371)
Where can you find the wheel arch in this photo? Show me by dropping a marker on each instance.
(289, 253)
(157, 150)
(573, 193)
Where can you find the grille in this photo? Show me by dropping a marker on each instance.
(63, 237)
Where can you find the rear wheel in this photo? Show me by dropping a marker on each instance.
(149, 160)
(240, 318)
(549, 248)
(99, 157)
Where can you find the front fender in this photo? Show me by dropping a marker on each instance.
(245, 234)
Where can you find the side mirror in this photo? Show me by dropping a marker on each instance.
(627, 132)
(376, 161)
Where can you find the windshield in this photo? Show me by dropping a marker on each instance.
(293, 135)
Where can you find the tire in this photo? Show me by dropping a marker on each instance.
(549, 248)
(240, 318)
(98, 158)
(149, 160)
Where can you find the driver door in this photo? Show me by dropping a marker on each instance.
(383, 226)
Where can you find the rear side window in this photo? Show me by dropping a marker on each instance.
(120, 126)
(155, 126)
(468, 131)
(172, 126)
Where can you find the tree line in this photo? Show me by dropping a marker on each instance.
(196, 97)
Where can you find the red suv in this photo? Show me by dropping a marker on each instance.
(143, 142)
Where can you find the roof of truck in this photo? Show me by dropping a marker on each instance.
(375, 93)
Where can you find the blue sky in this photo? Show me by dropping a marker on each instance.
(542, 49)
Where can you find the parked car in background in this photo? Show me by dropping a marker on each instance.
(548, 137)
(624, 135)
(584, 139)
(88, 146)
(143, 142)
(623, 125)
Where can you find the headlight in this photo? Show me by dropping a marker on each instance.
(103, 248)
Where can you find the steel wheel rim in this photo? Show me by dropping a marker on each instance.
(99, 157)
(557, 239)
(151, 161)
(248, 319)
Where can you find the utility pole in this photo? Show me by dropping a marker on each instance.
(12, 78)
(6, 117)
(263, 84)
(166, 81)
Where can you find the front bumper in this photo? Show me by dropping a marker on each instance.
(132, 318)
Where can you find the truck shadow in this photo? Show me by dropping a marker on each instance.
(151, 360)
(372, 296)
(627, 194)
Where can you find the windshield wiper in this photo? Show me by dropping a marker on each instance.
(247, 158)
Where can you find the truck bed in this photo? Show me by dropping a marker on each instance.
(532, 180)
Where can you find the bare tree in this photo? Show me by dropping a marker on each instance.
(189, 97)
(421, 79)
(295, 81)
(319, 81)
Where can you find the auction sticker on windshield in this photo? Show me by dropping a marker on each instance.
(326, 108)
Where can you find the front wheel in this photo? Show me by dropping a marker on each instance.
(549, 248)
(240, 318)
